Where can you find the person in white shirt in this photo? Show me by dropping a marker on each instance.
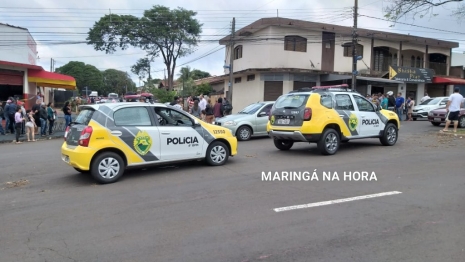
(202, 103)
(426, 97)
(453, 110)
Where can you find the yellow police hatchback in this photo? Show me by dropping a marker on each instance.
(327, 116)
(106, 139)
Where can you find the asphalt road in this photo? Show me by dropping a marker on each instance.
(193, 212)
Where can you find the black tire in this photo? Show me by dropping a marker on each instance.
(329, 142)
(414, 119)
(283, 144)
(217, 154)
(244, 133)
(462, 122)
(390, 135)
(82, 171)
(435, 123)
(102, 161)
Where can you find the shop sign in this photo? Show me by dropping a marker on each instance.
(411, 74)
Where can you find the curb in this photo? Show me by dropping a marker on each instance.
(23, 139)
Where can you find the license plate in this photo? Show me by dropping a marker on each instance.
(437, 120)
(284, 121)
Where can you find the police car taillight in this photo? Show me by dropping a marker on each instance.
(66, 133)
(307, 114)
(86, 133)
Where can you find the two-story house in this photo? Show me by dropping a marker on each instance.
(273, 56)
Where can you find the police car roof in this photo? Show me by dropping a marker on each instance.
(113, 106)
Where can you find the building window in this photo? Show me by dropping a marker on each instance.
(402, 60)
(412, 61)
(348, 50)
(419, 62)
(237, 80)
(394, 60)
(250, 77)
(238, 52)
(295, 43)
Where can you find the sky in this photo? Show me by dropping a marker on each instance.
(65, 22)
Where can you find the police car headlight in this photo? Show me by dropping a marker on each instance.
(229, 123)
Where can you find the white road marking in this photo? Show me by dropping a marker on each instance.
(337, 201)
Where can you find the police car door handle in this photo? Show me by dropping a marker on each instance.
(116, 133)
(165, 133)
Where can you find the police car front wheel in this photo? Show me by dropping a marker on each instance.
(389, 137)
(217, 154)
(107, 167)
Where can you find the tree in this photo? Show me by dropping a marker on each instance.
(116, 81)
(171, 33)
(142, 68)
(162, 94)
(204, 88)
(199, 74)
(86, 75)
(401, 8)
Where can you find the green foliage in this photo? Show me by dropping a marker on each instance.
(398, 9)
(160, 31)
(142, 68)
(205, 89)
(162, 94)
(85, 75)
(199, 74)
(116, 81)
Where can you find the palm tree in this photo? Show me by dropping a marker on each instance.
(185, 75)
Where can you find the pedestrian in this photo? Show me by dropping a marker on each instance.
(36, 111)
(67, 112)
(51, 114)
(195, 110)
(218, 108)
(453, 109)
(18, 120)
(400, 102)
(227, 107)
(384, 102)
(208, 112)
(43, 119)
(410, 106)
(2, 131)
(12, 109)
(30, 125)
(391, 101)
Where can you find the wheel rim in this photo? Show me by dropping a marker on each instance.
(244, 133)
(218, 154)
(108, 168)
(462, 122)
(391, 135)
(331, 142)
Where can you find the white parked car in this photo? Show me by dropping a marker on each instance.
(422, 110)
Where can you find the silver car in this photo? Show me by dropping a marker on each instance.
(249, 122)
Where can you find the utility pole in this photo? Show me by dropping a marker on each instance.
(354, 48)
(52, 64)
(231, 61)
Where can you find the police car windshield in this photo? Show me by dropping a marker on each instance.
(291, 101)
(251, 109)
(84, 116)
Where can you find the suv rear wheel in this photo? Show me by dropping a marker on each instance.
(329, 142)
(283, 144)
(107, 167)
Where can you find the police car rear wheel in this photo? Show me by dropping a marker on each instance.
(283, 144)
(107, 167)
(389, 137)
(329, 142)
(244, 133)
(217, 154)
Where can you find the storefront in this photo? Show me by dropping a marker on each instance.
(443, 86)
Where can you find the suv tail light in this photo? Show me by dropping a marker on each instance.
(307, 114)
(84, 139)
(66, 133)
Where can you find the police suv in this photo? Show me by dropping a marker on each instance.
(329, 115)
(106, 139)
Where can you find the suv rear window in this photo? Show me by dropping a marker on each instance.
(84, 116)
(291, 101)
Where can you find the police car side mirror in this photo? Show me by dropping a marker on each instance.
(196, 122)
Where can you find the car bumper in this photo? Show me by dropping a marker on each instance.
(437, 119)
(296, 136)
(420, 114)
(77, 156)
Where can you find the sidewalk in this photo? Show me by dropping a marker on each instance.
(12, 138)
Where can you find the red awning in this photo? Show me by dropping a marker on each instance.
(448, 80)
(28, 66)
(49, 79)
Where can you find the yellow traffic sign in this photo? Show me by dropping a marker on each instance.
(392, 72)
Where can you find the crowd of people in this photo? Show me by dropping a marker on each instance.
(398, 104)
(203, 108)
(37, 121)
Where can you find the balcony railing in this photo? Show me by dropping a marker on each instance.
(383, 65)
